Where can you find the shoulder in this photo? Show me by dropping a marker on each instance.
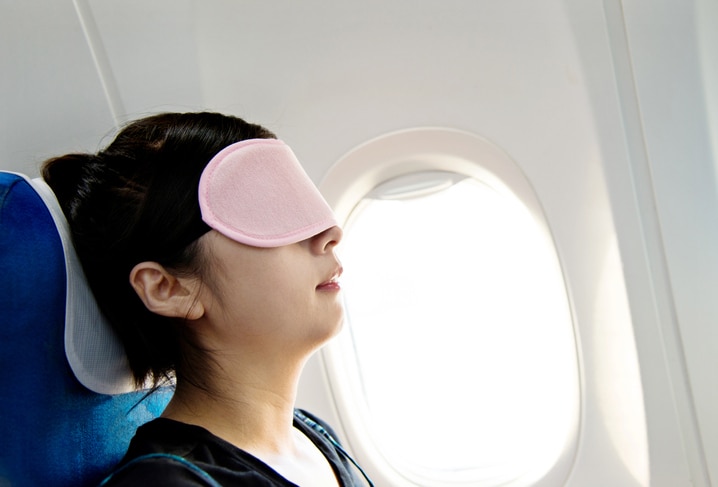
(159, 470)
(169, 453)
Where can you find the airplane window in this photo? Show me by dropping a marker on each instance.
(459, 330)
(458, 362)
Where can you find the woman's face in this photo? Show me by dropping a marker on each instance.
(282, 296)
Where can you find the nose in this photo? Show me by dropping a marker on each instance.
(326, 241)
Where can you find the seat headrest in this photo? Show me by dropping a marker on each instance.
(94, 351)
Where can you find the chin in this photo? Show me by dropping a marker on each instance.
(330, 329)
(338, 326)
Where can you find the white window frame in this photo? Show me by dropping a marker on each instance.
(354, 176)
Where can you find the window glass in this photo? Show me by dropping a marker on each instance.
(460, 331)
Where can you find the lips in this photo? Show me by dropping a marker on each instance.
(331, 284)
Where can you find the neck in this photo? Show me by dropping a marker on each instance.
(249, 406)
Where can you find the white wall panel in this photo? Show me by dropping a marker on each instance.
(52, 99)
(664, 38)
(150, 51)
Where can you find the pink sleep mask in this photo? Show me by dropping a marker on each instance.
(257, 193)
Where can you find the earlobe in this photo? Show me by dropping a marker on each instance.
(164, 293)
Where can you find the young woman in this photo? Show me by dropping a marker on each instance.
(212, 255)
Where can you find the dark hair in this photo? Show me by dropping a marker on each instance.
(136, 201)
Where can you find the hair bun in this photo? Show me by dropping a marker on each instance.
(68, 175)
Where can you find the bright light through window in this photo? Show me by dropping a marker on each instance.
(461, 333)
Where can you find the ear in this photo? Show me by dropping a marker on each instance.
(166, 294)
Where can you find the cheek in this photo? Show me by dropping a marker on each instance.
(262, 303)
(263, 289)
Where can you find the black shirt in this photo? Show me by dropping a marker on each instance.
(165, 452)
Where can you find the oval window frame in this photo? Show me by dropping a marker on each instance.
(357, 174)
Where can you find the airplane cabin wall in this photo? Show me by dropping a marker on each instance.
(605, 105)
